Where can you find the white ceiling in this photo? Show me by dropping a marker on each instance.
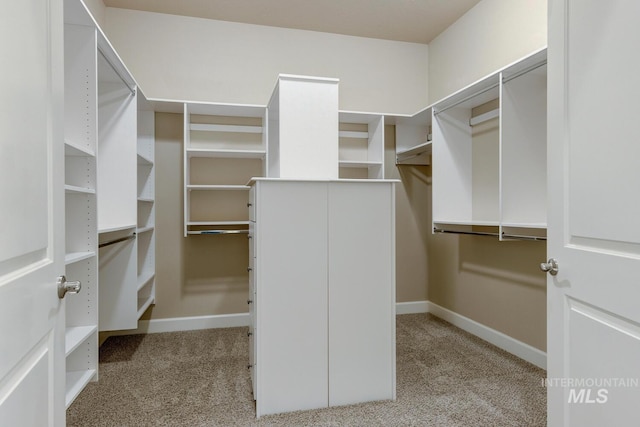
(417, 21)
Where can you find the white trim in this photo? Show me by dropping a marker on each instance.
(499, 339)
(176, 324)
(505, 342)
(412, 307)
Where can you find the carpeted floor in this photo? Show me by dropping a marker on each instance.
(445, 377)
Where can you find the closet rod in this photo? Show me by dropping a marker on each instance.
(219, 232)
(525, 71)
(466, 98)
(523, 237)
(114, 241)
(485, 117)
(404, 159)
(113, 67)
(473, 233)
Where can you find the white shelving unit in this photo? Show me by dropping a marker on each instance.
(414, 138)
(81, 212)
(224, 147)
(117, 194)
(146, 267)
(303, 128)
(361, 145)
(489, 151)
(307, 348)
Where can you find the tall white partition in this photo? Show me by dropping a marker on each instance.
(81, 233)
(523, 155)
(303, 128)
(361, 145)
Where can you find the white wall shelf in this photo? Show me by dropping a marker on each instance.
(142, 160)
(81, 210)
(225, 128)
(421, 150)
(70, 189)
(215, 187)
(489, 151)
(360, 145)
(76, 382)
(224, 146)
(70, 149)
(145, 230)
(76, 335)
(73, 257)
(117, 228)
(413, 138)
(226, 153)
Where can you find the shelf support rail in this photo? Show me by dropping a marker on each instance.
(524, 71)
(216, 232)
(473, 233)
(114, 241)
(466, 98)
(113, 67)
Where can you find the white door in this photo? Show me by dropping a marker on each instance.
(594, 213)
(31, 214)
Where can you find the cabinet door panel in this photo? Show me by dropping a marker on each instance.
(361, 292)
(291, 299)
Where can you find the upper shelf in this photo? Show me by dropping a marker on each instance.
(409, 156)
(226, 153)
(206, 127)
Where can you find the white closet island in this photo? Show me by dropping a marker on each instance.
(322, 293)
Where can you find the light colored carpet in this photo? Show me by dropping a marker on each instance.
(445, 377)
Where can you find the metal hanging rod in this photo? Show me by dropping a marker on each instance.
(466, 98)
(523, 237)
(401, 158)
(524, 71)
(113, 67)
(219, 232)
(114, 241)
(473, 233)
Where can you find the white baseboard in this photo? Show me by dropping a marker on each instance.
(176, 324)
(505, 342)
(412, 307)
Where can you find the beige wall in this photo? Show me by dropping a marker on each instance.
(197, 59)
(495, 283)
(178, 57)
(198, 275)
(491, 35)
(98, 10)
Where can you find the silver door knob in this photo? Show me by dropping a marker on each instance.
(550, 266)
(64, 287)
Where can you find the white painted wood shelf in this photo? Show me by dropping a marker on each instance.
(73, 257)
(73, 189)
(224, 147)
(489, 153)
(225, 153)
(76, 335)
(81, 198)
(76, 382)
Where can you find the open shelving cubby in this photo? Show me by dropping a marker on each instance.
(146, 235)
(414, 138)
(224, 147)
(489, 151)
(117, 191)
(81, 211)
(361, 145)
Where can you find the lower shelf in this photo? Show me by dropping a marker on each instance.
(76, 335)
(75, 383)
(143, 304)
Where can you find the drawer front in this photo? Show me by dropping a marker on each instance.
(252, 203)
